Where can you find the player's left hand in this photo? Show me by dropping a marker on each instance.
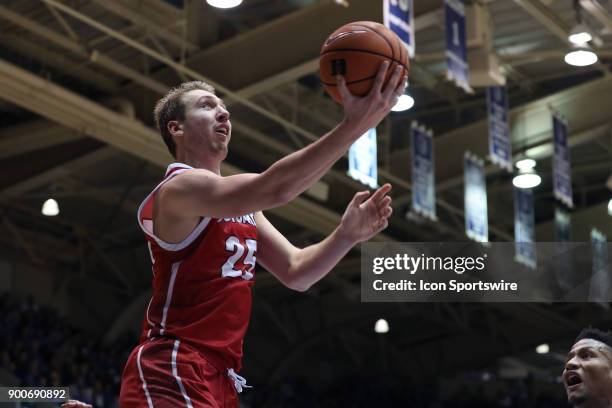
(365, 217)
(75, 404)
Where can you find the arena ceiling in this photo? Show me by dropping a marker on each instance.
(79, 78)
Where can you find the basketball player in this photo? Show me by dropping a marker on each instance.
(205, 233)
(587, 376)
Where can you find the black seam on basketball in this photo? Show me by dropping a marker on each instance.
(366, 52)
(367, 28)
(383, 37)
(352, 82)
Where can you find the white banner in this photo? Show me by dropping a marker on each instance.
(524, 227)
(363, 165)
(475, 199)
(601, 283)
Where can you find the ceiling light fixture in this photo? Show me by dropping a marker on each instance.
(50, 208)
(543, 349)
(527, 176)
(581, 56)
(580, 34)
(404, 103)
(381, 326)
(224, 4)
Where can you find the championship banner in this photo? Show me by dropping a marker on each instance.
(363, 165)
(562, 178)
(500, 148)
(475, 199)
(423, 189)
(398, 16)
(600, 288)
(524, 227)
(456, 44)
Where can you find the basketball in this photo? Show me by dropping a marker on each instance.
(356, 51)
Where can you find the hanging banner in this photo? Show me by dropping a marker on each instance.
(398, 16)
(562, 177)
(600, 288)
(563, 226)
(564, 263)
(524, 227)
(423, 189)
(456, 44)
(500, 148)
(475, 199)
(363, 165)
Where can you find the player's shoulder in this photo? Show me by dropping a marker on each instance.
(187, 179)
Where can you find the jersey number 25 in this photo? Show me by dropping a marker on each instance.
(233, 244)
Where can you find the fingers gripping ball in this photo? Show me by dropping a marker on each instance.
(356, 51)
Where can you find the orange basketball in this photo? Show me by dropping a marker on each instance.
(356, 51)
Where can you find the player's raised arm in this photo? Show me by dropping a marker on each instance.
(201, 192)
(299, 268)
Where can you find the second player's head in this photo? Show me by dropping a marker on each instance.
(193, 121)
(587, 376)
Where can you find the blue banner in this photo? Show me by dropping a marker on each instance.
(601, 283)
(398, 16)
(423, 189)
(363, 165)
(562, 178)
(456, 44)
(500, 148)
(524, 227)
(475, 199)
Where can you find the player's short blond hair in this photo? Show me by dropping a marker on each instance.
(172, 107)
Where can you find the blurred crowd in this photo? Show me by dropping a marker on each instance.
(40, 348)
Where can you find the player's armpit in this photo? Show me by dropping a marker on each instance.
(201, 193)
(275, 253)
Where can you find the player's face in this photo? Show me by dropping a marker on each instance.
(206, 125)
(587, 376)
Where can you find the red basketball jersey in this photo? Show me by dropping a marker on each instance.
(202, 285)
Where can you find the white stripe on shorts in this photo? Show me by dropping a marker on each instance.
(144, 383)
(175, 373)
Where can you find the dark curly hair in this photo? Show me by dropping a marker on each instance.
(595, 334)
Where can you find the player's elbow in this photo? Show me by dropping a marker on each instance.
(296, 281)
(297, 285)
(285, 192)
(283, 196)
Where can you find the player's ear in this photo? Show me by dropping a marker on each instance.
(175, 128)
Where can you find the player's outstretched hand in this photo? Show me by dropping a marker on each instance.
(75, 404)
(366, 112)
(366, 215)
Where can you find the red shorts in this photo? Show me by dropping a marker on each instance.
(165, 373)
